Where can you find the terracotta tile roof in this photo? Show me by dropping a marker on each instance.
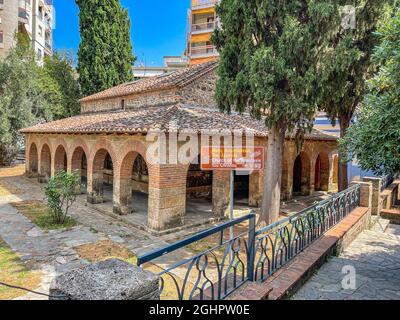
(177, 78)
(179, 116)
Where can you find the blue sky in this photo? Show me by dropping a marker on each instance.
(158, 27)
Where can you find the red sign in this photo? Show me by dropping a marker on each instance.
(222, 158)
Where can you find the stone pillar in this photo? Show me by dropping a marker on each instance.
(221, 193)
(122, 195)
(366, 194)
(45, 165)
(94, 186)
(256, 185)
(107, 280)
(376, 194)
(167, 196)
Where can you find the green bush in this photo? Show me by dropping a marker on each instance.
(60, 193)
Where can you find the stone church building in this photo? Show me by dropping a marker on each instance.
(107, 146)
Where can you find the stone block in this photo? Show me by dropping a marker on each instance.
(107, 280)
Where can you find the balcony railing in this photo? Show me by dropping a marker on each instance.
(202, 27)
(23, 15)
(204, 51)
(200, 4)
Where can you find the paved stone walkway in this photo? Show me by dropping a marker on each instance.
(375, 256)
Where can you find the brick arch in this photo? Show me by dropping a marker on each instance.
(302, 174)
(95, 174)
(60, 158)
(321, 172)
(33, 159)
(103, 144)
(77, 160)
(78, 143)
(123, 180)
(45, 162)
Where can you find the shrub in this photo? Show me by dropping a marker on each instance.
(60, 194)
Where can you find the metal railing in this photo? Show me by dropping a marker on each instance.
(199, 4)
(279, 243)
(203, 50)
(205, 26)
(216, 272)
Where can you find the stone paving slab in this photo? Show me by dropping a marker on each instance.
(375, 256)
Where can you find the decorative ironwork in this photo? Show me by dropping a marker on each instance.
(280, 242)
(214, 273)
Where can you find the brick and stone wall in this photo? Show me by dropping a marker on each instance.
(167, 184)
(199, 92)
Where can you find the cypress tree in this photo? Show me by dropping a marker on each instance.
(270, 52)
(105, 55)
(347, 67)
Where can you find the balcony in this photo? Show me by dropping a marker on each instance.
(48, 46)
(23, 15)
(203, 51)
(203, 27)
(202, 4)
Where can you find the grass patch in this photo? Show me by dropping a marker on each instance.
(38, 213)
(13, 271)
(104, 250)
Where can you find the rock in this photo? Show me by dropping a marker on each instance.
(107, 280)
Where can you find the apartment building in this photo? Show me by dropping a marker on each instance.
(35, 18)
(202, 20)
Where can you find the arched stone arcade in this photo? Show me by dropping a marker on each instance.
(117, 176)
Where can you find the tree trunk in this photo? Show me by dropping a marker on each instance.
(273, 175)
(343, 179)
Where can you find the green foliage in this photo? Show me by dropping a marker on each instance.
(374, 140)
(30, 94)
(17, 97)
(348, 65)
(105, 56)
(270, 54)
(61, 77)
(60, 193)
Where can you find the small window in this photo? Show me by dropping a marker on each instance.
(1, 36)
(123, 104)
(40, 32)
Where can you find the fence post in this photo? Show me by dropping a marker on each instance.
(251, 248)
(376, 194)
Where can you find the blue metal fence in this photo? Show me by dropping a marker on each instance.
(216, 272)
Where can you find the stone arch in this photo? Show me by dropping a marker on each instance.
(301, 174)
(33, 159)
(199, 186)
(321, 175)
(60, 159)
(79, 164)
(96, 175)
(131, 184)
(45, 163)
